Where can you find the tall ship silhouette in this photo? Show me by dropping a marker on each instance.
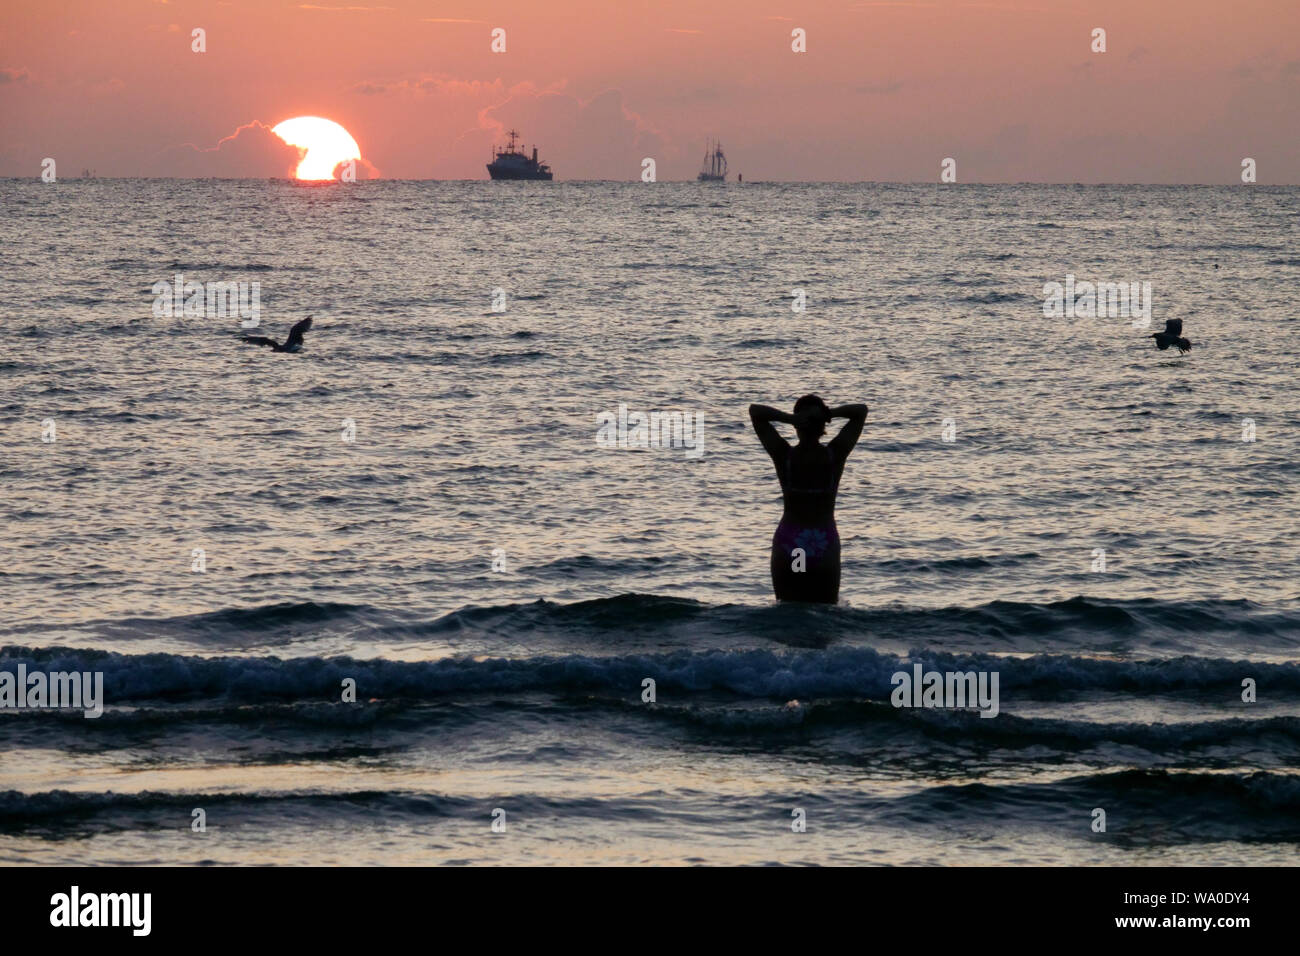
(510, 163)
(714, 169)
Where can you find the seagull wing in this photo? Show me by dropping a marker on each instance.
(296, 333)
(259, 340)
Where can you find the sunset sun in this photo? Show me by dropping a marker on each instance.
(326, 142)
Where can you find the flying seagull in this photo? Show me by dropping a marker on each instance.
(1172, 335)
(293, 343)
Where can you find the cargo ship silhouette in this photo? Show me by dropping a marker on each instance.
(509, 163)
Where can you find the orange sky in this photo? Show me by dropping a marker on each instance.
(1009, 88)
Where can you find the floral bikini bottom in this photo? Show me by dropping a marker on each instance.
(818, 544)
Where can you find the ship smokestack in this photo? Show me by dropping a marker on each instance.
(534, 154)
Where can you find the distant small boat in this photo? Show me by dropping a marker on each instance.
(715, 165)
(509, 163)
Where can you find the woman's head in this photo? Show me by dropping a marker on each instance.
(818, 414)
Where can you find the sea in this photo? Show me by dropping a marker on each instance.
(393, 599)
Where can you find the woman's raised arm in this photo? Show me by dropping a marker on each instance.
(848, 437)
(762, 417)
(766, 413)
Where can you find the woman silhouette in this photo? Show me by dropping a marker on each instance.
(806, 546)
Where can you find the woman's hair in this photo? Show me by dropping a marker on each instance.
(812, 403)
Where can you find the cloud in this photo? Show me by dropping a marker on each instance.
(1263, 67)
(313, 6)
(19, 76)
(251, 151)
(109, 87)
(879, 88)
(430, 85)
(683, 30)
(365, 170)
